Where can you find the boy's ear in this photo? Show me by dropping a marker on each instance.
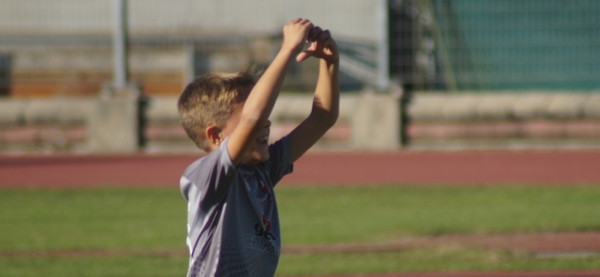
(213, 134)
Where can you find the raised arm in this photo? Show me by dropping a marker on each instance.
(261, 99)
(325, 108)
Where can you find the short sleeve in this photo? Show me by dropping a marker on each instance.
(211, 176)
(279, 163)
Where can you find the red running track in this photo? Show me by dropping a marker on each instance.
(346, 168)
(572, 273)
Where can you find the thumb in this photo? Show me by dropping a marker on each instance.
(303, 56)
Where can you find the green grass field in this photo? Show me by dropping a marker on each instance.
(141, 232)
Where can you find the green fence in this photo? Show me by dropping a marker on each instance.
(518, 44)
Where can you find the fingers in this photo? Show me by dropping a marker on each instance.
(298, 20)
(321, 39)
(314, 33)
(305, 26)
(322, 44)
(295, 33)
(317, 34)
(303, 23)
(325, 35)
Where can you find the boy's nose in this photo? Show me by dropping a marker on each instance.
(268, 124)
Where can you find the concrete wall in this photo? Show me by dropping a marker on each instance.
(109, 125)
(504, 120)
(504, 106)
(367, 121)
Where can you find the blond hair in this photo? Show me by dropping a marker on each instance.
(210, 101)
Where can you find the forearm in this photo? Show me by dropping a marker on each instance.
(324, 112)
(260, 101)
(263, 96)
(258, 106)
(327, 93)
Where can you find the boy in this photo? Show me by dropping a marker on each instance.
(233, 225)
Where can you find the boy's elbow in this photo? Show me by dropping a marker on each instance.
(326, 118)
(332, 119)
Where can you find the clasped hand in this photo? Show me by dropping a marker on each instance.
(299, 31)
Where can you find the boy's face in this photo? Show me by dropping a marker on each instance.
(259, 150)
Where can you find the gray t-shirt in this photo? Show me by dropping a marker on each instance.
(232, 223)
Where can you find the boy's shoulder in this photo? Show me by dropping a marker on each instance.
(218, 161)
(216, 157)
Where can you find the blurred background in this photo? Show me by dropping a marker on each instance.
(103, 77)
(422, 74)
